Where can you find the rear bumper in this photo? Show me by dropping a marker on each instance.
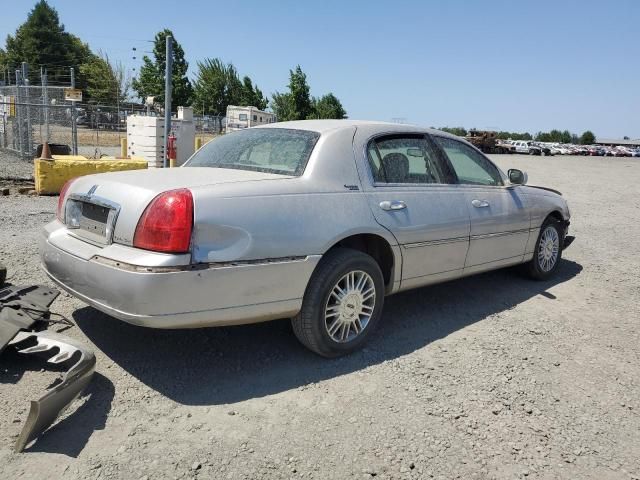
(180, 298)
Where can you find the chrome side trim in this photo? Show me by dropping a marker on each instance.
(501, 234)
(466, 239)
(436, 242)
(191, 267)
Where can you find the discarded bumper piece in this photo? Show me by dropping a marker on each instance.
(44, 411)
(20, 308)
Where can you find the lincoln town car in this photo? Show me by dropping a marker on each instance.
(315, 220)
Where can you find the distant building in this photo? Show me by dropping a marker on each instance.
(246, 117)
(612, 142)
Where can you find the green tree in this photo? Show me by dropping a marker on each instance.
(217, 86)
(459, 131)
(3, 60)
(282, 106)
(521, 136)
(295, 104)
(587, 138)
(543, 137)
(107, 83)
(300, 93)
(251, 95)
(42, 41)
(328, 106)
(150, 82)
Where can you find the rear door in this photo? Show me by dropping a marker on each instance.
(499, 216)
(411, 192)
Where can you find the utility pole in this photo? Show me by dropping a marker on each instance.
(27, 99)
(167, 97)
(19, 114)
(74, 128)
(45, 101)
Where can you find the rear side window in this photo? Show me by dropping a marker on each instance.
(404, 159)
(471, 167)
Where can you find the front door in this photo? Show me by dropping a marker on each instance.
(412, 193)
(500, 219)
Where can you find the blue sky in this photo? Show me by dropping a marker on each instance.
(518, 66)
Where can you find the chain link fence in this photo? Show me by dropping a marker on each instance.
(32, 115)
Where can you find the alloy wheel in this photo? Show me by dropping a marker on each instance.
(350, 306)
(548, 249)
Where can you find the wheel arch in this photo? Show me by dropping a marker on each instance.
(555, 214)
(386, 255)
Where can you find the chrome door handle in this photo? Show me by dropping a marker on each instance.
(480, 203)
(393, 205)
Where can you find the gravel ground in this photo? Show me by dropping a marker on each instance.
(13, 168)
(492, 376)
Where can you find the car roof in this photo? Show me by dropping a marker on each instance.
(323, 126)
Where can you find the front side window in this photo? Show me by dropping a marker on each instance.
(471, 167)
(271, 150)
(242, 117)
(404, 159)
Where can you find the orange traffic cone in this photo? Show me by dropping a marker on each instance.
(46, 152)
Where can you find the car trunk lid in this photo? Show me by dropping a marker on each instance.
(105, 208)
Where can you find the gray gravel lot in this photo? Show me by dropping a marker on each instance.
(493, 376)
(13, 168)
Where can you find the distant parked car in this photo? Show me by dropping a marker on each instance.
(556, 150)
(595, 151)
(521, 146)
(536, 148)
(315, 220)
(623, 152)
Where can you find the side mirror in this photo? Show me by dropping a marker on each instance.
(517, 177)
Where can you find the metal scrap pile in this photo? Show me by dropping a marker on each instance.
(24, 314)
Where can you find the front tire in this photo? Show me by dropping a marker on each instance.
(342, 304)
(548, 251)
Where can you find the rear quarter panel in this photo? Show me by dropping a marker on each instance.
(290, 217)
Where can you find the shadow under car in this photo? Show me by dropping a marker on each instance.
(230, 364)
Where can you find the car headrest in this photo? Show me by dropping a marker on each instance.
(396, 167)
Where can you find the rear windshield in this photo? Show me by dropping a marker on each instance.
(271, 150)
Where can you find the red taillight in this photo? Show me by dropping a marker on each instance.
(166, 224)
(63, 193)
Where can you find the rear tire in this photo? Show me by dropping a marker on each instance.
(548, 251)
(342, 304)
(3, 274)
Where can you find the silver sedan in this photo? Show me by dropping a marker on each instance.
(313, 220)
